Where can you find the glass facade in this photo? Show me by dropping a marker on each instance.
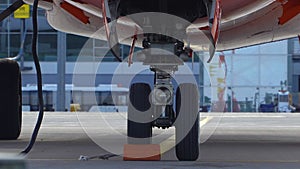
(11, 36)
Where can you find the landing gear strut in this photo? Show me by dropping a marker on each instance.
(155, 108)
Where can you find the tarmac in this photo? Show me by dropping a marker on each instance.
(228, 140)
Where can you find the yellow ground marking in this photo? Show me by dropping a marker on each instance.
(205, 121)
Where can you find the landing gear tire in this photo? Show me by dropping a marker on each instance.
(139, 123)
(187, 122)
(10, 100)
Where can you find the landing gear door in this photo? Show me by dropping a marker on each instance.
(215, 19)
(205, 38)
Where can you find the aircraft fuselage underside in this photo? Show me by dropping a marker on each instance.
(184, 10)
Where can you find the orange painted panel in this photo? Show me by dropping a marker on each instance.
(290, 9)
(76, 12)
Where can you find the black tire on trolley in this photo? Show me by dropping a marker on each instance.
(139, 123)
(187, 122)
(10, 100)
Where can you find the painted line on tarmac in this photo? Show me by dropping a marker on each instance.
(205, 121)
(169, 143)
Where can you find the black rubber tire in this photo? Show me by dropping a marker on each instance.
(139, 124)
(187, 122)
(10, 100)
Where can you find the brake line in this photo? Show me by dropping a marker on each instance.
(39, 78)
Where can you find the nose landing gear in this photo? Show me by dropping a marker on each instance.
(155, 108)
